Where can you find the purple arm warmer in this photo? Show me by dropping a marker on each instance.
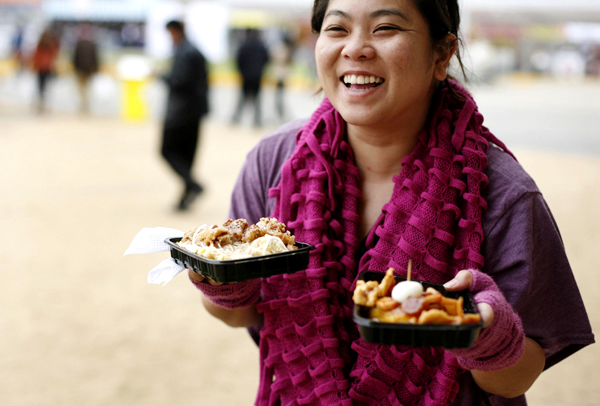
(502, 343)
(231, 296)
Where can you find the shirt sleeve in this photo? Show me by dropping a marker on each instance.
(262, 171)
(248, 199)
(526, 257)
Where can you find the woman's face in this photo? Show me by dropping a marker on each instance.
(376, 63)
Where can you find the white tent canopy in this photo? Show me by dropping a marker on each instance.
(533, 5)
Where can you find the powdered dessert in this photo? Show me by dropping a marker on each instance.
(236, 239)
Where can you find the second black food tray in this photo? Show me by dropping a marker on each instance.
(417, 335)
(239, 270)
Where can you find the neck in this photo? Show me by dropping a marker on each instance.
(379, 149)
(379, 157)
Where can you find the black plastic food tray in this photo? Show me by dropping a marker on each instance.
(417, 335)
(239, 270)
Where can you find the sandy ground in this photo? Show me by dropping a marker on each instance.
(80, 326)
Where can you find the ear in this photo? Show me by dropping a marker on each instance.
(443, 54)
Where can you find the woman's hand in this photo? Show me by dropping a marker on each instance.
(196, 277)
(463, 280)
(508, 382)
(242, 316)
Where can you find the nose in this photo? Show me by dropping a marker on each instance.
(358, 47)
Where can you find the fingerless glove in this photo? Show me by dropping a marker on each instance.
(231, 296)
(502, 343)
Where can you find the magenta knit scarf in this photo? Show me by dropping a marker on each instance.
(311, 352)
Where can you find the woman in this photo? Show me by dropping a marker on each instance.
(43, 62)
(395, 165)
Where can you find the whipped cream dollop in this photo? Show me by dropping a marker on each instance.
(404, 290)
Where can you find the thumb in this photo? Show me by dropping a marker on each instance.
(461, 281)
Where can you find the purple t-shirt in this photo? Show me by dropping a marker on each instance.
(522, 248)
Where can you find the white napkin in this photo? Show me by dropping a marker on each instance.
(150, 240)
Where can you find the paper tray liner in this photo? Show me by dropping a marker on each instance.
(239, 270)
(417, 335)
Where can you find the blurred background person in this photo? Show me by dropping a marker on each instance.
(85, 62)
(17, 47)
(43, 62)
(187, 104)
(251, 59)
(281, 57)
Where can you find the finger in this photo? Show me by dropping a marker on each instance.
(487, 313)
(196, 277)
(213, 282)
(461, 281)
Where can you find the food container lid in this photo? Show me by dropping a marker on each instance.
(417, 335)
(239, 270)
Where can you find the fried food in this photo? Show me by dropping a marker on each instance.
(366, 293)
(236, 239)
(430, 308)
(388, 282)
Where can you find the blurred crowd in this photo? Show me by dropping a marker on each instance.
(85, 62)
(85, 49)
(274, 55)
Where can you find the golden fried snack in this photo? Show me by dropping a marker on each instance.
(386, 303)
(388, 282)
(432, 297)
(366, 293)
(238, 231)
(210, 235)
(450, 306)
(393, 316)
(430, 308)
(272, 227)
(471, 318)
(236, 228)
(436, 316)
(235, 239)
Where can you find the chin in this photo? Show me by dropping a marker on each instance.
(359, 117)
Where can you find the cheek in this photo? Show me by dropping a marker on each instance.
(325, 62)
(320, 58)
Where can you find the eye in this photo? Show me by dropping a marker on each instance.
(388, 28)
(334, 28)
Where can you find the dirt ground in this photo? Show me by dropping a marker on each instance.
(79, 325)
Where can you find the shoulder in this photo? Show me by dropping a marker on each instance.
(262, 171)
(188, 48)
(276, 147)
(508, 183)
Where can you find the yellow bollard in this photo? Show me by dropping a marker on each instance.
(134, 71)
(133, 102)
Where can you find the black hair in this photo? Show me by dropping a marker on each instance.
(442, 16)
(175, 25)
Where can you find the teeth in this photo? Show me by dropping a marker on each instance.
(361, 80)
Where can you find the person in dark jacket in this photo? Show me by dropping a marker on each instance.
(85, 62)
(252, 57)
(187, 104)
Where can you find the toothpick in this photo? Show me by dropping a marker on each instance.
(409, 270)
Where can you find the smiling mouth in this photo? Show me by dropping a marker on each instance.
(361, 82)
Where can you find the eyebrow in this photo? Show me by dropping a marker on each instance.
(336, 13)
(374, 14)
(385, 12)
